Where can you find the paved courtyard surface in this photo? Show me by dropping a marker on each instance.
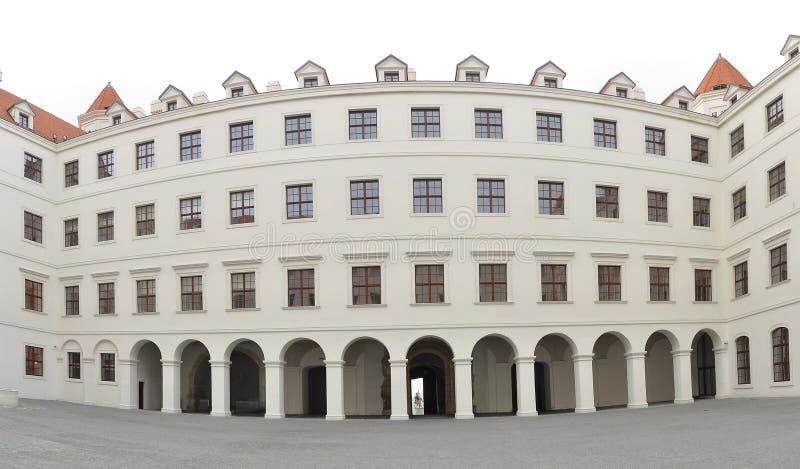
(725, 433)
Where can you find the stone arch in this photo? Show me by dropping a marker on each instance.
(246, 376)
(305, 378)
(367, 378)
(780, 368)
(430, 359)
(659, 366)
(494, 383)
(610, 369)
(71, 345)
(104, 345)
(289, 344)
(195, 376)
(703, 362)
(137, 347)
(554, 373)
(146, 375)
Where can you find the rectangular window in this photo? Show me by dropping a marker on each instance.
(778, 266)
(488, 124)
(657, 207)
(33, 227)
(301, 287)
(70, 232)
(550, 83)
(300, 201)
(777, 181)
(34, 361)
(105, 297)
(108, 372)
(105, 165)
(105, 227)
(609, 282)
(364, 125)
(237, 92)
(367, 285)
(743, 360)
(427, 196)
(71, 174)
(737, 141)
(425, 123)
(146, 296)
(364, 197)
(191, 216)
(702, 285)
(23, 120)
(145, 220)
(72, 305)
(780, 355)
(472, 77)
(492, 283)
(33, 168)
(659, 283)
(655, 141)
(794, 53)
(243, 290)
(298, 129)
(191, 146)
(429, 283)
(241, 137)
(739, 201)
(699, 149)
(310, 82)
(775, 113)
(548, 127)
(74, 365)
(606, 201)
(622, 92)
(391, 76)
(192, 293)
(683, 105)
(491, 196)
(172, 105)
(605, 134)
(701, 211)
(145, 155)
(243, 207)
(554, 282)
(551, 198)
(33, 295)
(740, 282)
(116, 120)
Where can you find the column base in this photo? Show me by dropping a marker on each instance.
(722, 396)
(638, 406)
(585, 410)
(465, 416)
(217, 413)
(128, 407)
(274, 416)
(334, 417)
(399, 417)
(684, 401)
(164, 410)
(531, 413)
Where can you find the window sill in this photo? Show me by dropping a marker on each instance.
(602, 302)
(189, 231)
(493, 303)
(548, 142)
(782, 282)
(296, 145)
(72, 380)
(362, 140)
(737, 298)
(776, 200)
(659, 223)
(364, 217)
(39, 378)
(595, 147)
(736, 222)
(288, 308)
(381, 305)
(426, 215)
(104, 243)
(696, 302)
(107, 383)
(34, 243)
(154, 313)
(608, 219)
(555, 217)
(193, 311)
(300, 220)
(781, 384)
(193, 160)
(243, 152)
(742, 386)
(70, 316)
(241, 310)
(429, 304)
(566, 302)
(769, 131)
(147, 236)
(701, 228)
(233, 226)
(669, 302)
(144, 170)
(700, 163)
(42, 313)
(71, 248)
(98, 315)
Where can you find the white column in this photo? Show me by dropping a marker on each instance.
(526, 388)
(399, 392)
(171, 386)
(220, 388)
(128, 384)
(89, 380)
(682, 371)
(463, 376)
(61, 376)
(637, 380)
(334, 382)
(722, 372)
(584, 383)
(273, 374)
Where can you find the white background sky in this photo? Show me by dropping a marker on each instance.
(59, 54)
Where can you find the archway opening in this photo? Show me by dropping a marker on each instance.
(659, 369)
(431, 380)
(494, 385)
(704, 377)
(554, 374)
(195, 378)
(247, 380)
(610, 372)
(305, 380)
(367, 380)
(149, 379)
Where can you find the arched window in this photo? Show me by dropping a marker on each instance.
(780, 354)
(743, 359)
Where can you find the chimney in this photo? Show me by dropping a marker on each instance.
(638, 94)
(156, 107)
(412, 74)
(274, 86)
(138, 112)
(200, 98)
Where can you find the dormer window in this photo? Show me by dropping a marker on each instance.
(719, 87)
(794, 53)
(237, 92)
(24, 120)
(683, 105)
(472, 76)
(550, 83)
(116, 120)
(172, 105)
(311, 82)
(734, 99)
(622, 92)
(391, 76)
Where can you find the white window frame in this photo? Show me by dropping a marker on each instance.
(315, 200)
(543, 257)
(147, 273)
(564, 182)
(366, 259)
(670, 203)
(190, 270)
(32, 275)
(771, 243)
(618, 259)
(228, 192)
(242, 266)
(733, 261)
(705, 263)
(593, 201)
(348, 209)
(97, 213)
(25, 375)
(106, 277)
(177, 212)
(300, 263)
(439, 176)
(72, 281)
(479, 258)
(506, 195)
(416, 258)
(135, 205)
(659, 260)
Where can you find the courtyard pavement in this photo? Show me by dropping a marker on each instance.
(708, 434)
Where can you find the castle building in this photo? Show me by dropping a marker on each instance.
(517, 248)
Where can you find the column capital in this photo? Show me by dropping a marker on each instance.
(681, 353)
(128, 362)
(398, 362)
(530, 359)
(583, 357)
(220, 363)
(171, 362)
(274, 363)
(462, 361)
(333, 363)
(719, 350)
(634, 355)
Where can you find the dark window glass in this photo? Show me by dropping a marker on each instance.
(145, 155)
(550, 83)
(427, 196)
(622, 92)
(554, 282)
(780, 355)
(116, 120)
(472, 76)
(310, 82)
(301, 287)
(491, 196)
(743, 360)
(548, 127)
(364, 197)
(190, 146)
(23, 120)
(108, 372)
(659, 283)
(71, 232)
(488, 124)
(34, 361)
(172, 105)
(740, 281)
(105, 226)
(391, 76)
(105, 165)
(74, 365)
(146, 296)
(364, 125)
(429, 283)
(605, 134)
(105, 297)
(191, 216)
(777, 181)
(72, 305)
(699, 149)
(237, 92)
(778, 265)
(739, 199)
(33, 295)
(737, 140)
(243, 207)
(71, 174)
(655, 141)
(367, 285)
(33, 227)
(701, 211)
(683, 105)
(492, 283)
(241, 137)
(657, 207)
(425, 123)
(702, 285)
(606, 201)
(243, 290)
(775, 113)
(609, 282)
(300, 201)
(145, 220)
(33, 168)
(551, 198)
(298, 129)
(192, 293)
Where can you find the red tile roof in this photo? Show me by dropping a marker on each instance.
(44, 123)
(721, 73)
(105, 99)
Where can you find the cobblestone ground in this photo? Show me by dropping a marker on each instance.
(709, 433)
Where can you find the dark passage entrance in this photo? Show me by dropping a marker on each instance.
(514, 388)
(430, 368)
(431, 360)
(317, 403)
(706, 373)
(141, 395)
(244, 385)
(540, 376)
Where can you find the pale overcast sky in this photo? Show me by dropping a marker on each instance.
(59, 54)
